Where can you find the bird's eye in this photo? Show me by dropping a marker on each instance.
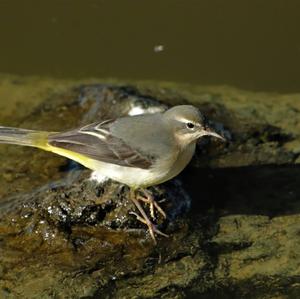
(190, 125)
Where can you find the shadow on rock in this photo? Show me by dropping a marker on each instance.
(271, 190)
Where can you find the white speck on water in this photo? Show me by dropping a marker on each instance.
(158, 48)
(98, 177)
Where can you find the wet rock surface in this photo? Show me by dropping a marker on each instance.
(233, 214)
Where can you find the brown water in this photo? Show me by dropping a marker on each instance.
(250, 44)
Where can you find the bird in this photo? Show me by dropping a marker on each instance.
(139, 151)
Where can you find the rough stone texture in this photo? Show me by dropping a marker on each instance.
(63, 236)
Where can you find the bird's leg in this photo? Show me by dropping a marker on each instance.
(144, 218)
(148, 198)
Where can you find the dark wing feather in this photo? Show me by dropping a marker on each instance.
(96, 141)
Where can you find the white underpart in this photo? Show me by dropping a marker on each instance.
(98, 177)
(137, 177)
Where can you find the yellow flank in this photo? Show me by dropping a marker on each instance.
(40, 140)
(87, 162)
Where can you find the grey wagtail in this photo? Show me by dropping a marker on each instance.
(139, 151)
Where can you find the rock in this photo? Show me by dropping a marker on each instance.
(62, 235)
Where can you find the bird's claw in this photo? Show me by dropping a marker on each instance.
(143, 216)
(151, 227)
(152, 203)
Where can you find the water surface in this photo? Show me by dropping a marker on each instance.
(250, 44)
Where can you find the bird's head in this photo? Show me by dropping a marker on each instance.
(188, 124)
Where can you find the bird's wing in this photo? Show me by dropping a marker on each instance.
(97, 142)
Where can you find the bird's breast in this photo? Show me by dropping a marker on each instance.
(183, 158)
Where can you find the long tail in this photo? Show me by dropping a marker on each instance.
(24, 137)
(39, 139)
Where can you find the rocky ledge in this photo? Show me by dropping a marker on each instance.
(233, 214)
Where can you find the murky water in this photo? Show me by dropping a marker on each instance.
(250, 44)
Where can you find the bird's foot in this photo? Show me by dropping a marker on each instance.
(148, 199)
(145, 219)
(151, 227)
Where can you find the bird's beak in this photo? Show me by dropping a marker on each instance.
(209, 132)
